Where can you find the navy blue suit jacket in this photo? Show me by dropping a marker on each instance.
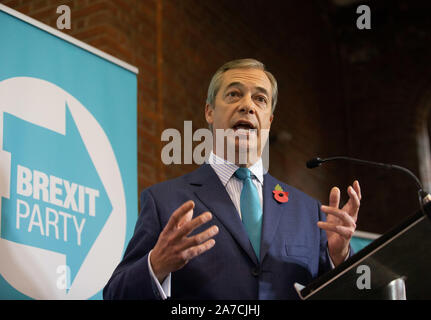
(293, 248)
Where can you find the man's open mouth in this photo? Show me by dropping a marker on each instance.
(243, 125)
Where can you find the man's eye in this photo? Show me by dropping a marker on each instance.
(261, 99)
(232, 94)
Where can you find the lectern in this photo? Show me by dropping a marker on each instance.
(397, 264)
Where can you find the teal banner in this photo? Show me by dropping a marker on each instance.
(68, 164)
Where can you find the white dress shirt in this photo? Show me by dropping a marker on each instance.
(225, 171)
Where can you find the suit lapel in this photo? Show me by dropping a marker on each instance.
(272, 211)
(209, 189)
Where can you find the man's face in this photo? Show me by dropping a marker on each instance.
(243, 104)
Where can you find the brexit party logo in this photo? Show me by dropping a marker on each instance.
(63, 210)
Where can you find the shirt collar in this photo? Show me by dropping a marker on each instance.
(225, 169)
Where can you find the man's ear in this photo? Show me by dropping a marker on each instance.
(209, 113)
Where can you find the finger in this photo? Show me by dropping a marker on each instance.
(198, 250)
(345, 232)
(185, 218)
(354, 199)
(175, 218)
(357, 188)
(199, 238)
(193, 224)
(334, 197)
(342, 215)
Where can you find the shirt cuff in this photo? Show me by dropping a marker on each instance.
(164, 289)
(330, 260)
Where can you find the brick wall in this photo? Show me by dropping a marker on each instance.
(177, 46)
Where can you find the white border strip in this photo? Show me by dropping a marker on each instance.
(366, 235)
(68, 38)
(363, 258)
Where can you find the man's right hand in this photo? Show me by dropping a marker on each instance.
(174, 248)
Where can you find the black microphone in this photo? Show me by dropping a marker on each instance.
(424, 197)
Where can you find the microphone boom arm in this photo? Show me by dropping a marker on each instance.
(378, 164)
(424, 197)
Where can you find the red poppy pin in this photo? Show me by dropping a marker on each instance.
(279, 195)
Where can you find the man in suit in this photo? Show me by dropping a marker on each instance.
(228, 230)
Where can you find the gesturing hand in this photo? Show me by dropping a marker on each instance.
(173, 248)
(341, 223)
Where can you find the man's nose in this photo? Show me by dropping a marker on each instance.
(247, 105)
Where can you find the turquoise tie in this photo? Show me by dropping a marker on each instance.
(251, 210)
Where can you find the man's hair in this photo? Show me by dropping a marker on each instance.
(216, 80)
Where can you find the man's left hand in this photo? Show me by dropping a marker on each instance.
(341, 223)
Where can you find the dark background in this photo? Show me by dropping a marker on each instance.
(342, 91)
